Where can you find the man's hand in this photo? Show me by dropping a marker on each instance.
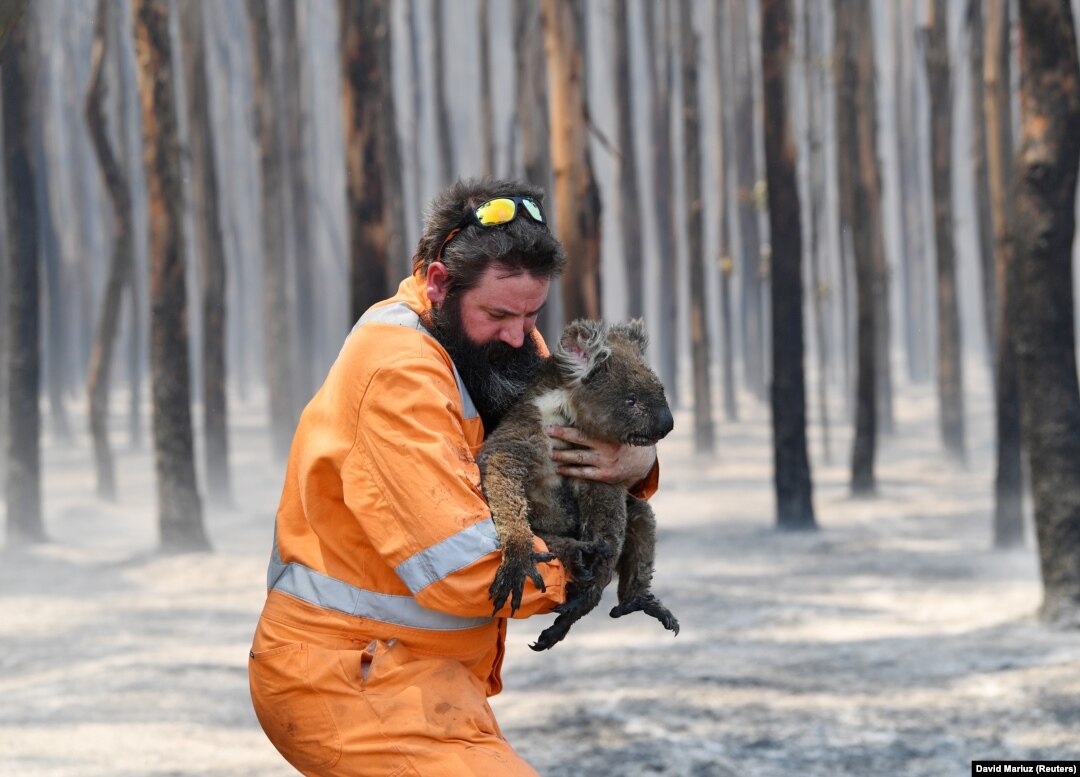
(606, 462)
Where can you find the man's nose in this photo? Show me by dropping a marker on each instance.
(513, 334)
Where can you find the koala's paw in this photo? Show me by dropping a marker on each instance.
(650, 605)
(554, 633)
(586, 558)
(510, 579)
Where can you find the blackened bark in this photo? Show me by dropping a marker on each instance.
(120, 267)
(661, 75)
(1045, 222)
(816, 78)
(25, 524)
(752, 265)
(983, 218)
(795, 509)
(629, 195)
(577, 196)
(279, 359)
(997, 112)
(361, 82)
(725, 88)
(487, 120)
(534, 126)
(858, 203)
(210, 238)
(704, 435)
(950, 366)
(179, 508)
(446, 163)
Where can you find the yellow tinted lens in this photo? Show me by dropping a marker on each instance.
(533, 209)
(494, 212)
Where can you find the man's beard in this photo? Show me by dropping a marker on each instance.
(495, 374)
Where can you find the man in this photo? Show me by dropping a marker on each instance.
(377, 647)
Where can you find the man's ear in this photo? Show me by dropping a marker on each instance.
(582, 346)
(438, 282)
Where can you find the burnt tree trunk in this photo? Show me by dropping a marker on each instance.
(816, 79)
(997, 112)
(210, 238)
(18, 80)
(179, 508)
(752, 266)
(446, 163)
(577, 196)
(630, 216)
(121, 267)
(795, 509)
(661, 75)
(278, 346)
(534, 126)
(487, 120)
(858, 198)
(724, 152)
(297, 144)
(983, 216)
(950, 375)
(1045, 223)
(11, 12)
(704, 435)
(362, 85)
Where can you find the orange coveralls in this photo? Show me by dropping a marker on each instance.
(376, 649)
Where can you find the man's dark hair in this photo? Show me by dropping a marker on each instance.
(522, 244)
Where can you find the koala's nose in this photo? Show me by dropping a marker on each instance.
(665, 422)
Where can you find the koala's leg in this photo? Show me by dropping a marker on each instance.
(603, 520)
(504, 475)
(636, 564)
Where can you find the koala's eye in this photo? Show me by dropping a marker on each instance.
(630, 401)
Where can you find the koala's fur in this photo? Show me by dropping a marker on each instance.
(597, 380)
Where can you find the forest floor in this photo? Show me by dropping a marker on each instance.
(894, 640)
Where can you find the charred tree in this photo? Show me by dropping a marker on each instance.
(795, 509)
(816, 78)
(630, 216)
(984, 218)
(752, 266)
(997, 113)
(11, 12)
(859, 202)
(121, 265)
(950, 376)
(25, 522)
(534, 124)
(704, 435)
(577, 195)
(279, 359)
(658, 39)
(297, 145)
(444, 133)
(487, 119)
(1045, 224)
(362, 84)
(210, 239)
(724, 153)
(179, 508)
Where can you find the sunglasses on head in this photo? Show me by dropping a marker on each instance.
(496, 211)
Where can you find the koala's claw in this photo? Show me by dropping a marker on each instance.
(649, 605)
(510, 580)
(586, 557)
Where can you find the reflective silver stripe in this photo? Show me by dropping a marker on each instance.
(443, 558)
(332, 594)
(400, 314)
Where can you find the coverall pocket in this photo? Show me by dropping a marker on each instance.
(435, 697)
(293, 714)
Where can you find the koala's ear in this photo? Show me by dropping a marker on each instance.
(635, 332)
(582, 346)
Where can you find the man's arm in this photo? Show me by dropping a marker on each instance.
(435, 530)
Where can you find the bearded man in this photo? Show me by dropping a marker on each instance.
(377, 647)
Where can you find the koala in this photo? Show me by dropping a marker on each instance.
(598, 381)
